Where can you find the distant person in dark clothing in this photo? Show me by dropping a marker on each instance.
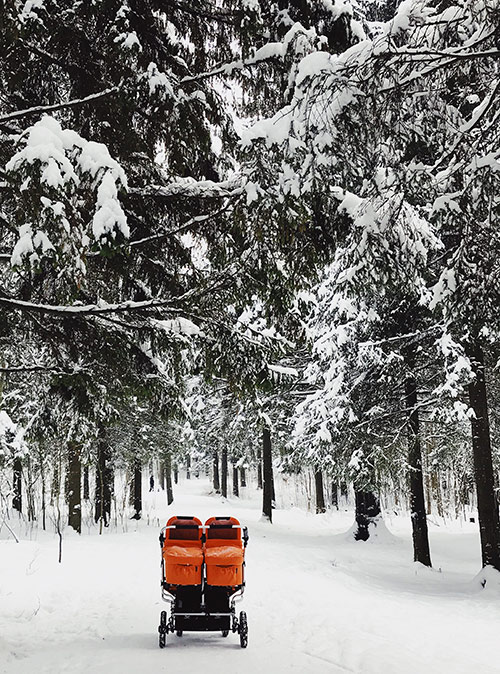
(151, 483)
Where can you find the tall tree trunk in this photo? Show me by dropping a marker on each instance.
(367, 513)
(137, 490)
(224, 472)
(188, 467)
(420, 534)
(55, 487)
(103, 483)
(44, 507)
(162, 475)
(243, 477)
(168, 476)
(29, 484)
(344, 493)
(176, 474)
(86, 484)
(487, 506)
(320, 493)
(267, 474)
(17, 479)
(236, 488)
(335, 496)
(74, 481)
(216, 472)
(259, 469)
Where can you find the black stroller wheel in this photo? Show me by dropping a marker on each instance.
(243, 629)
(162, 629)
(225, 633)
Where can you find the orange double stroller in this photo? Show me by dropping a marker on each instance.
(202, 576)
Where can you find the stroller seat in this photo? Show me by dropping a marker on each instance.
(182, 551)
(224, 553)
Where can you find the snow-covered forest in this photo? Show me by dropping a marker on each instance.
(250, 257)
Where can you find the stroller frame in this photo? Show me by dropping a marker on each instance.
(203, 607)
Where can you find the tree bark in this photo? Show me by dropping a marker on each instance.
(188, 467)
(243, 477)
(216, 472)
(162, 475)
(137, 490)
(487, 506)
(420, 534)
(367, 513)
(335, 496)
(168, 477)
(320, 493)
(176, 474)
(103, 484)
(17, 500)
(74, 487)
(267, 474)
(344, 493)
(236, 488)
(259, 469)
(86, 484)
(224, 472)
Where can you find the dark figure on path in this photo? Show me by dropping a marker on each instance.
(151, 483)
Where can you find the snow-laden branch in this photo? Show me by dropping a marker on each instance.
(189, 224)
(85, 309)
(205, 189)
(292, 41)
(59, 106)
(42, 369)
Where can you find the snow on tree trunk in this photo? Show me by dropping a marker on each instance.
(420, 534)
(243, 477)
(224, 473)
(188, 467)
(489, 524)
(17, 501)
(367, 514)
(267, 474)
(137, 490)
(74, 479)
(320, 493)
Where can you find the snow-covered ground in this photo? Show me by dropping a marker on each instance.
(316, 600)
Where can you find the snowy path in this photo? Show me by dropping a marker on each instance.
(316, 602)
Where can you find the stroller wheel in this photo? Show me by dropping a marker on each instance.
(162, 629)
(179, 633)
(243, 629)
(225, 633)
